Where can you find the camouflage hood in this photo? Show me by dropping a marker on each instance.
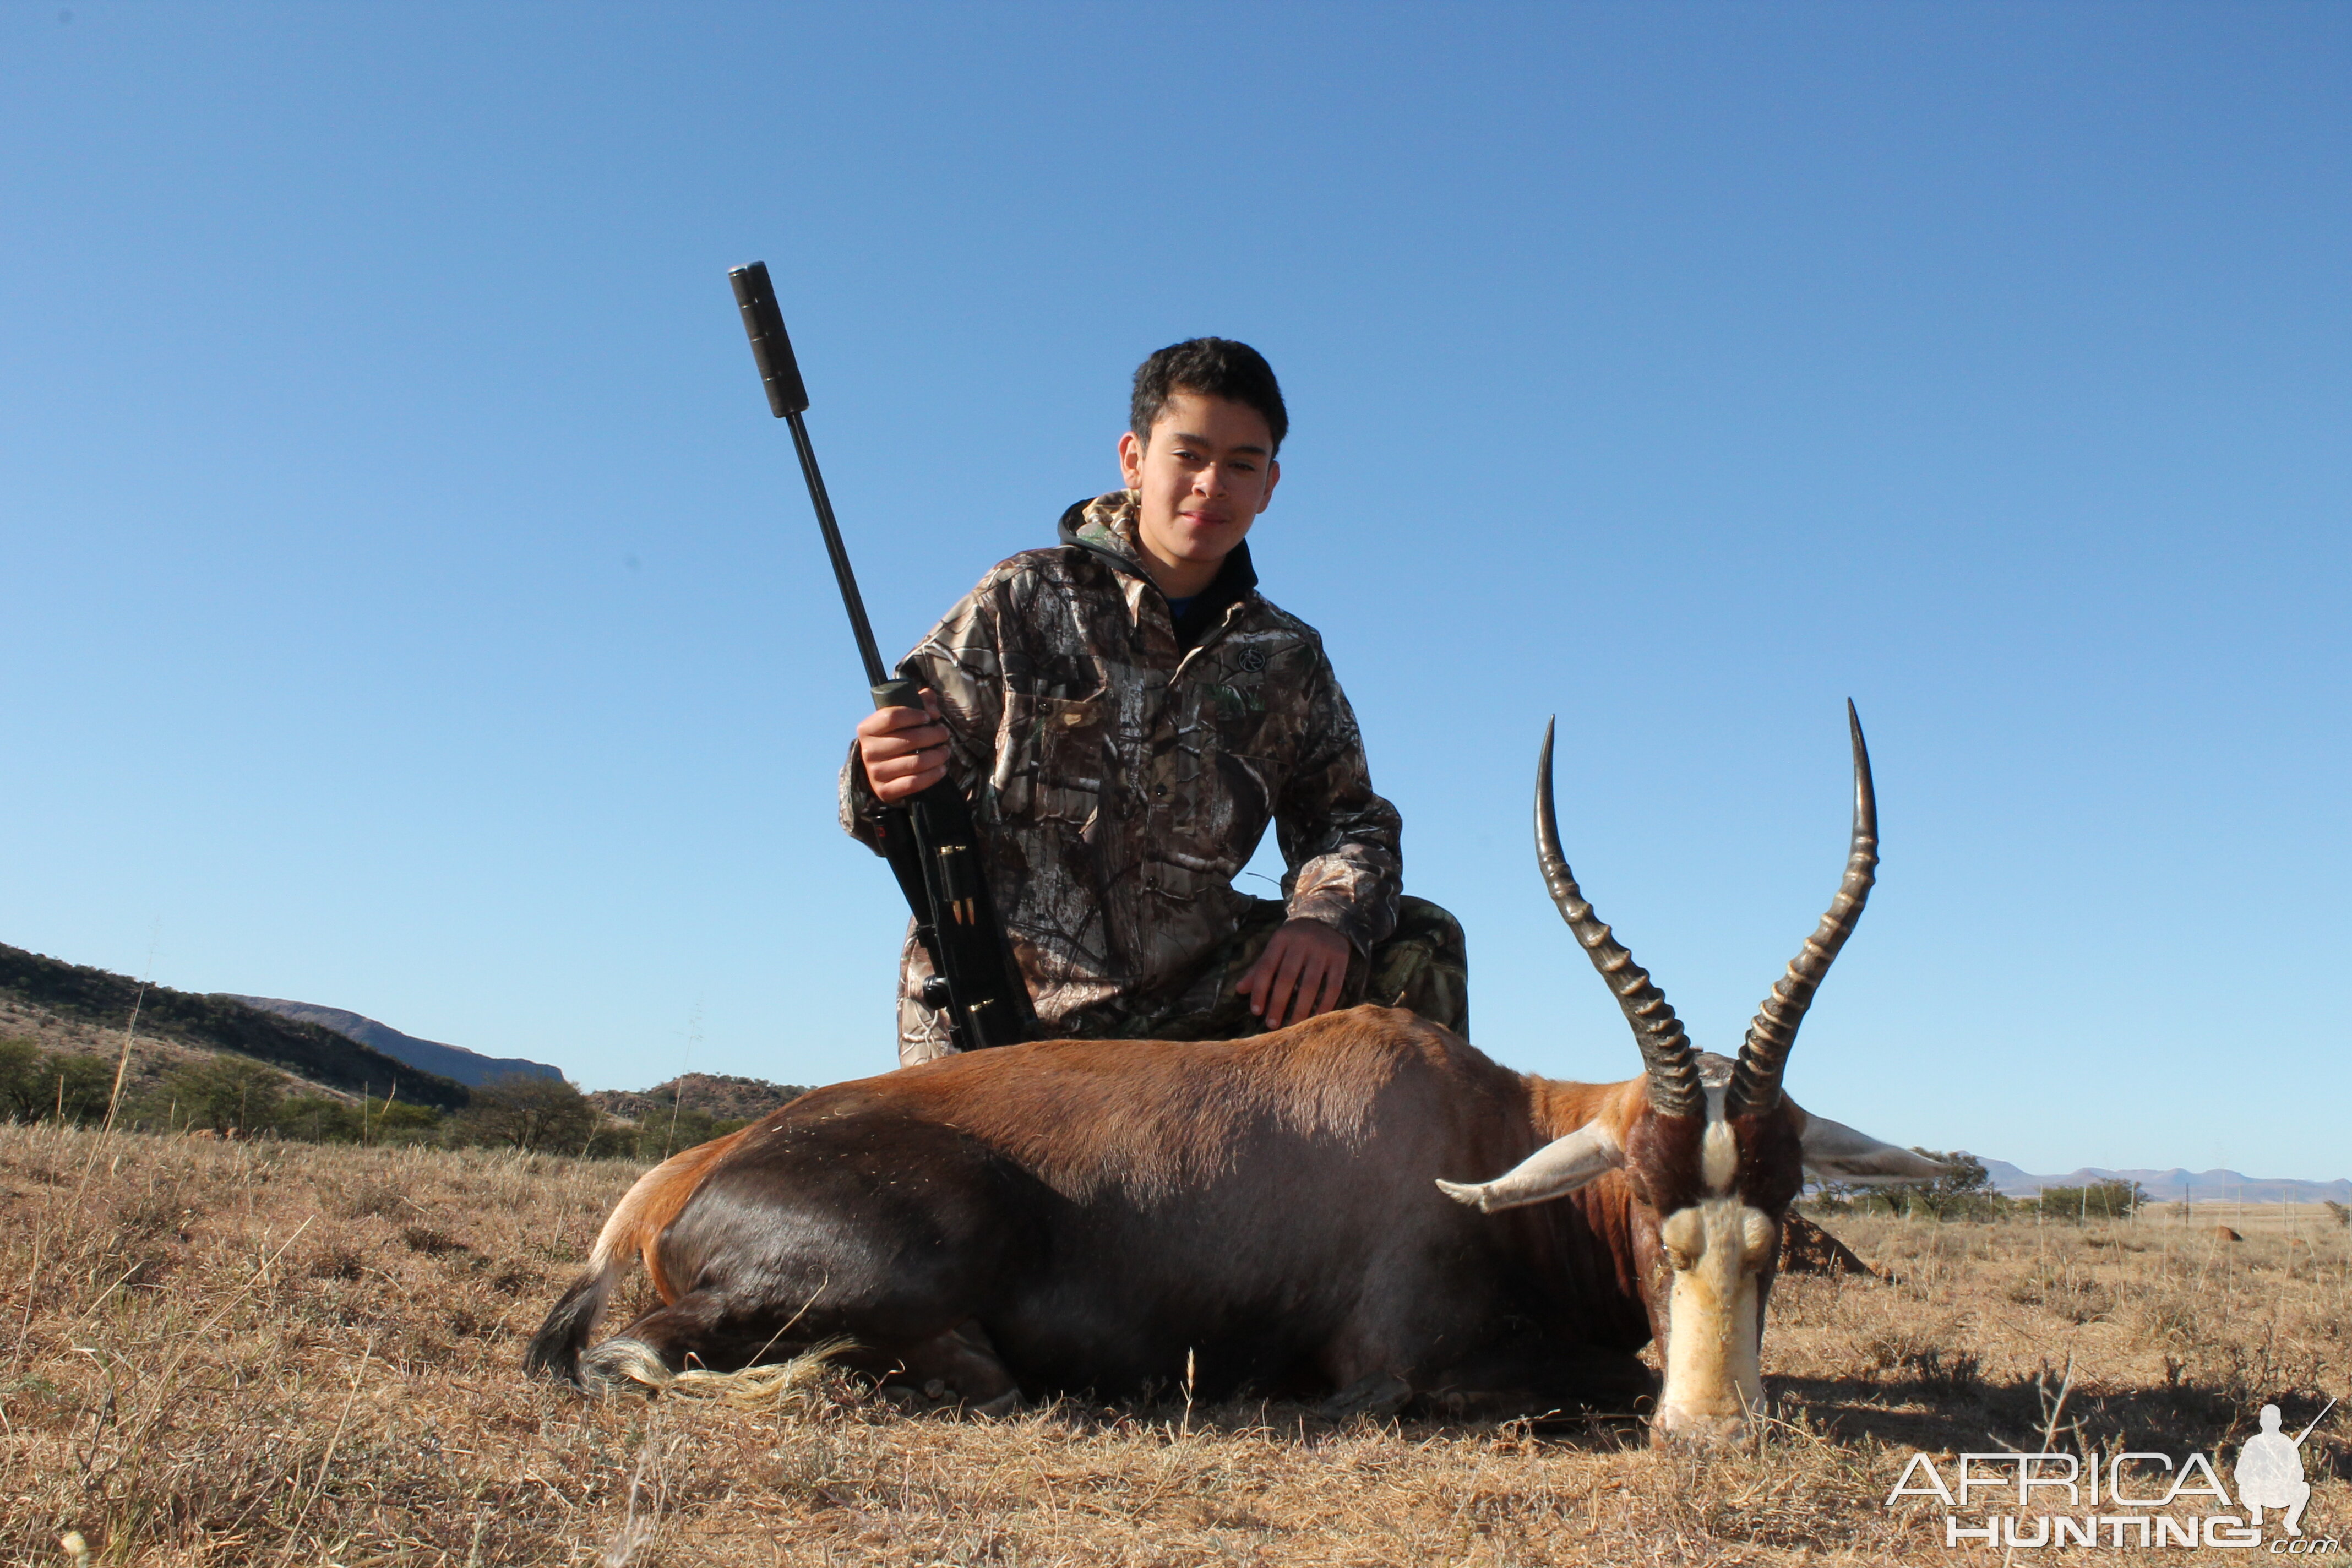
(1108, 526)
(1108, 523)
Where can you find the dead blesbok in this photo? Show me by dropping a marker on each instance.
(1270, 1212)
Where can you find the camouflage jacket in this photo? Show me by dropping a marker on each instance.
(1120, 782)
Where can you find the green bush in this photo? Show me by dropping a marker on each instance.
(662, 1133)
(316, 1119)
(398, 1123)
(37, 1086)
(227, 1094)
(2098, 1200)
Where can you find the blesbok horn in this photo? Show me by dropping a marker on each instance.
(1764, 1054)
(1672, 1064)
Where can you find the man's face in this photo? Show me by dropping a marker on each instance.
(1203, 476)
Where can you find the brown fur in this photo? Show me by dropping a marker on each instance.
(638, 1220)
(1151, 1116)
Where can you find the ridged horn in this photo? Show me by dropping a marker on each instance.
(1764, 1054)
(1671, 1066)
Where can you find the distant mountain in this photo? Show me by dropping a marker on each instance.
(455, 1062)
(100, 998)
(2201, 1187)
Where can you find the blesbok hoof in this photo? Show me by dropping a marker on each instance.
(1696, 1430)
(1377, 1394)
(1004, 1405)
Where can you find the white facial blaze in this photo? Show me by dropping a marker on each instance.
(1718, 1158)
(1714, 1313)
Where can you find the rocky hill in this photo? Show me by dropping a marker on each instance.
(715, 1095)
(74, 1007)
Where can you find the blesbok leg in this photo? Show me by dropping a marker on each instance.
(961, 1363)
(1532, 1375)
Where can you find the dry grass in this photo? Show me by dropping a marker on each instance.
(280, 1354)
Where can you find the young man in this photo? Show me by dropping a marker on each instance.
(1128, 714)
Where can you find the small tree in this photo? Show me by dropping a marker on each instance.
(82, 1085)
(35, 1087)
(228, 1093)
(20, 1080)
(522, 1112)
(1963, 1192)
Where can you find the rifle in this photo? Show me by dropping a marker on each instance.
(931, 842)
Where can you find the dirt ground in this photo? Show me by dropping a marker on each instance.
(274, 1354)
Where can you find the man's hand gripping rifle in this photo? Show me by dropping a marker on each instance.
(929, 842)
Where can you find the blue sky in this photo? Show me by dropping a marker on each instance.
(411, 607)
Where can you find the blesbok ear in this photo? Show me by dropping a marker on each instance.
(1554, 1170)
(1836, 1153)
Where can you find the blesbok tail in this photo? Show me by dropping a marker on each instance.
(634, 1231)
(555, 1349)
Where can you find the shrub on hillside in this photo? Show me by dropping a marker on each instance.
(220, 1094)
(228, 1092)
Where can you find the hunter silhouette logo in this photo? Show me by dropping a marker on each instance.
(2270, 1471)
(2131, 1500)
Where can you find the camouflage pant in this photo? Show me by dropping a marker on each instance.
(1423, 967)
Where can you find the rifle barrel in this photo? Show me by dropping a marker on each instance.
(779, 373)
(838, 553)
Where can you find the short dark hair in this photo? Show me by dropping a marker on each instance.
(1208, 367)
